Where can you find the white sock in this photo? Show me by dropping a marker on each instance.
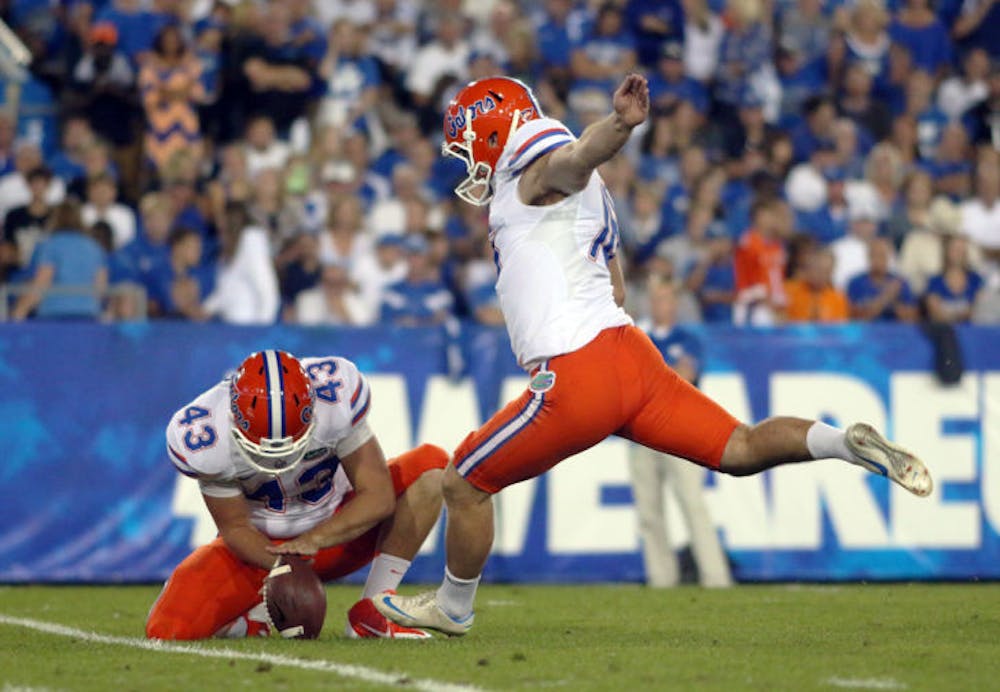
(827, 442)
(386, 573)
(456, 596)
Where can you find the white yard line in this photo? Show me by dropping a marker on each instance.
(866, 683)
(345, 670)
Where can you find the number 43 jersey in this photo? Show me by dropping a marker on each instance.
(200, 444)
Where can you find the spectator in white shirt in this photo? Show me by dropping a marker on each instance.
(246, 288)
(101, 206)
(393, 38)
(263, 148)
(14, 189)
(446, 55)
(344, 239)
(335, 301)
(981, 217)
(374, 273)
(981, 214)
(959, 93)
(389, 215)
(703, 31)
(851, 252)
(357, 12)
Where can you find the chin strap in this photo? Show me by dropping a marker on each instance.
(515, 121)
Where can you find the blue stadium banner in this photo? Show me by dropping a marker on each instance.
(90, 495)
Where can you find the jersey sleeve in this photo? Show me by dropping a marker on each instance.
(361, 397)
(196, 442)
(219, 488)
(530, 142)
(176, 451)
(343, 399)
(359, 403)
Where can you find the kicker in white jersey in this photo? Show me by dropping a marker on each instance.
(201, 446)
(553, 281)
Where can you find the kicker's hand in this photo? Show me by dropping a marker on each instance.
(631, 100)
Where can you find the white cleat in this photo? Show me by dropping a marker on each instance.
(421, 611)
(880, 456)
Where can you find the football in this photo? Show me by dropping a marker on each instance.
(295, 599)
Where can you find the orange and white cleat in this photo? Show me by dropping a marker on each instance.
(365, 622)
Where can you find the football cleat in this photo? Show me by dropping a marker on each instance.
(252, 623)
(422, 611)
(365, 622)
(880, 456)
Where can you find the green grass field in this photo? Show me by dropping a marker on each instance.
(917, 637)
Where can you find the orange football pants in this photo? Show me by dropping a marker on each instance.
(618, 384)
(212, 587)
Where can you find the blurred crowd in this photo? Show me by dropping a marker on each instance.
(253, 161)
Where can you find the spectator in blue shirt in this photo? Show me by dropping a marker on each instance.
(554, 36)
(978, 26)
(800, 78)
(951, 166)
(68, 162)
(653, 22)
(71, 261)
(307, 33)
(669, 83)
(137, 27)
(678, 198)
(606, 55)
(178, 287)
(746, 50)
(920, 106)
(830, 221)
(806, 27)
(866, 41)
(209, 34)
(713, 281)
(149, 250)
(880, 295)
(918, 28)
(816, 129)
(352, 79)
(951, 296)
(658, 153)
(484, 305)
(681, 349)
(421, 299)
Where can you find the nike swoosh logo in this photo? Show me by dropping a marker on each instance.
(377, 633)
(385, 599)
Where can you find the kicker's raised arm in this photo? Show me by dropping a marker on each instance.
(567, 169)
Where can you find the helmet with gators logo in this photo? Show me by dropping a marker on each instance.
(478, 123)
(271, 401)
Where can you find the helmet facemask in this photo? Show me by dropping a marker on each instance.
(273, 455)
(477, 187)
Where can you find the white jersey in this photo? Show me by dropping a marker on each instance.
(200, 445)
(553, 281)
